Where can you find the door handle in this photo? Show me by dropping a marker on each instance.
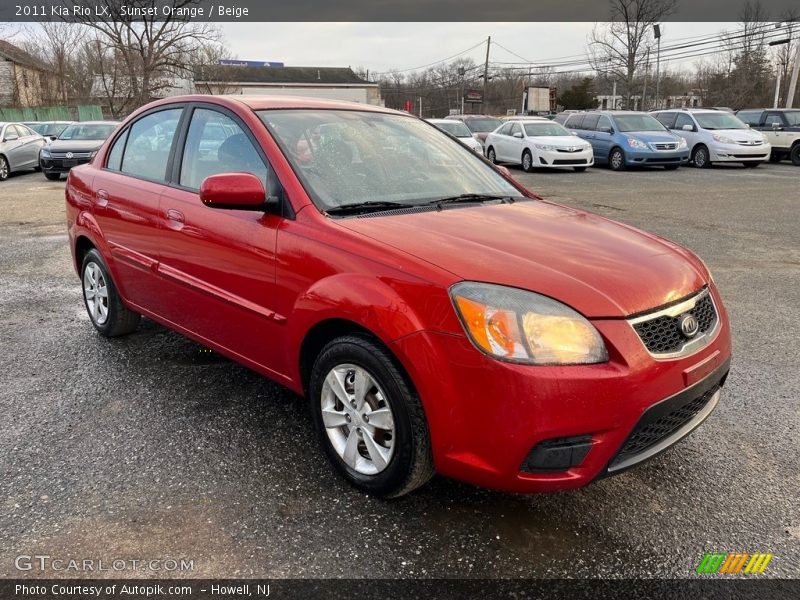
(102, 197)
(176, 217)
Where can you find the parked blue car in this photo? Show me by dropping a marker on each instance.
(627, 139)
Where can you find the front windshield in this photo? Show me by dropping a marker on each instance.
(483, 125)
(345, 157)
(793, 116)
(719, 121)
(638, 123)
(456, 128)
(86, 132)
(544, 129)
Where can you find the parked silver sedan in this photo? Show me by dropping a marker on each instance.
(19, 148)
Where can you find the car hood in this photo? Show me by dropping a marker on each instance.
(558, 140)
(599, 267)
(652, 136)
(75, 145)
(739, 135)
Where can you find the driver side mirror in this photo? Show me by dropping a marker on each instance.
(606, 129)
(235, 191)
(11, 137)
(688, 127)
(517, 134)
(776, 126)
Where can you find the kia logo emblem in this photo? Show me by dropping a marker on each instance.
(688, 325)
(69, 155)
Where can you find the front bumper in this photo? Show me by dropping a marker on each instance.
(61, 165)
(555, 158)
(739, 153)
(634, 157)
(486, 417)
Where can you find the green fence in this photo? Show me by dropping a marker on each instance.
(85, 112)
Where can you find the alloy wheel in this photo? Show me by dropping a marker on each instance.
(358, 419)
(95, 290)
(491, 156)
(617, 160)
(527, 161)
(3, 169)
(700, 158)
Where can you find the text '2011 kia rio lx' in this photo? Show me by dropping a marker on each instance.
(438, 316)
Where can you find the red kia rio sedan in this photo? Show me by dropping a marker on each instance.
(438, 316)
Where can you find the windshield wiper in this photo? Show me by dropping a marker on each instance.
(471, 198)
(369, 206)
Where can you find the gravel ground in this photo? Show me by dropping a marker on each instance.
(147, 447)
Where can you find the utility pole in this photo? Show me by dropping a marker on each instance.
(461, 72)
(614, 96)
(420, 107)
(657, 33)
(777, 86)
(486, 72)
(793, 82)
(644, 88)
(525, 87)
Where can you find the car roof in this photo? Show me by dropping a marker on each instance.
(92, 122)
(461, 117)
(439, 120)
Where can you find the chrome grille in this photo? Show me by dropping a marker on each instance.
(74, 155)
(665, 145)
(570, 149)
(660, 331)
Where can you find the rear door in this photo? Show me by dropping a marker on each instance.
(218, 265)
(31, 142)
(126, 200)
(12, 148)
(774, 127)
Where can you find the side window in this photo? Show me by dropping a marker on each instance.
(667, 119)
(604, 121)
(23, 131)
(751, 117)
(114, 160)
(682, 120)
(516, 128)
(590, 122)
(774, 118)
(217, 144)
(575, 121)
(149, 143)
(19, 130)
(505, 129)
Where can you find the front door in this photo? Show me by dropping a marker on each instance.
(218, 265)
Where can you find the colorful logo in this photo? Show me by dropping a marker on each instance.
(733, 563)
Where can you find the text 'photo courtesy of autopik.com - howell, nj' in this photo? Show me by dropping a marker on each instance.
(399, 300)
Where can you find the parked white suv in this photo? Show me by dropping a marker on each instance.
(716, 136)
(538, 142)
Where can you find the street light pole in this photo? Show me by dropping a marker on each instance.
(486, 72)
(657, 33)
(793, 82)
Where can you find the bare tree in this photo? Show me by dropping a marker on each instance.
(151, 50)
(58, 44)
(617, 49)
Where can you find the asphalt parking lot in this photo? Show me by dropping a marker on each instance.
(146, 447)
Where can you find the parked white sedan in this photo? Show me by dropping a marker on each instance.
(459, 130)
(538, 142)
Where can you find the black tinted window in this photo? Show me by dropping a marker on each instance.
(751, 117)
(590, 122)
(575, 122)
(149, 143)
(774, 119)
(667, 119)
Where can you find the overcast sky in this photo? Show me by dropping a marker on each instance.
(383, 46)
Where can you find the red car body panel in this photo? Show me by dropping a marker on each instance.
(253, 285)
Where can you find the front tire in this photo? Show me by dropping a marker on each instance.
(369, 419)
(616, 159)
(751, 164)
(527, 161)
(107, 313)
(52, 176)
(671, 167)
(491, 156)
(701, 158)
(4, 168)
(579, 169)
(794, 154)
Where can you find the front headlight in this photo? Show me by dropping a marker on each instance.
(45, 152)
(634, 143)
(722, 139)
(545, 147)
(681, 143)
(519, 326)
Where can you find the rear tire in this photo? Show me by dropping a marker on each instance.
(616, 159)
(491, 156)
(700, 157)
(107, 313)
(794, 154)
(751, 164)
(52, 176)
(579, 169)
(775, 157)
(403, 434)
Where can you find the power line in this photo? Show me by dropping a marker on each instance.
(481, 43)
